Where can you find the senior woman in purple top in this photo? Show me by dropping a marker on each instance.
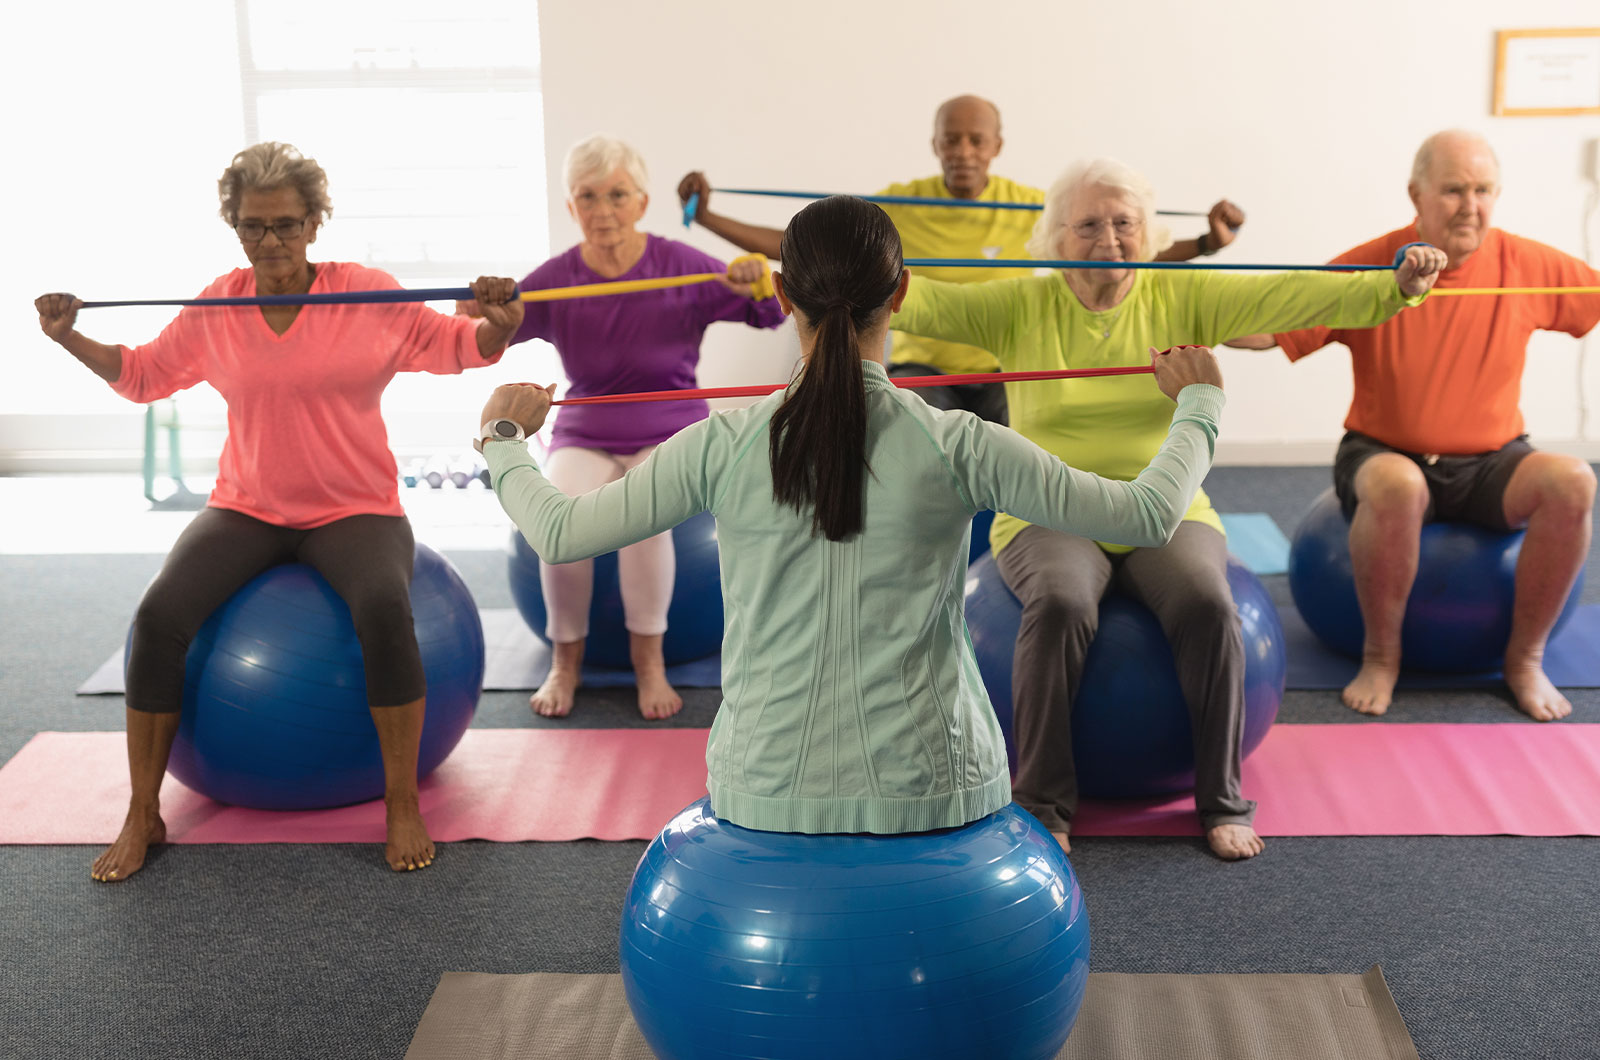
(614, 345)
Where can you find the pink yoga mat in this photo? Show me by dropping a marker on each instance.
(1393, 779)
(542, 784)
(500, 784)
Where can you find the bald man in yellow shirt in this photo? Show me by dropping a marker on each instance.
(966, 140)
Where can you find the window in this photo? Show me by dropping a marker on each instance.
(429, 123)
(427, 120)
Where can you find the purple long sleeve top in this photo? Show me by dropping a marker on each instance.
(617, 344)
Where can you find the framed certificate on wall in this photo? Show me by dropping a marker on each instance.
(1547, 72)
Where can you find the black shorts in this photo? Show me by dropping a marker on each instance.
(987, 401)
(1464, 489)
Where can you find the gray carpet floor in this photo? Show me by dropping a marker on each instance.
(1491, 945)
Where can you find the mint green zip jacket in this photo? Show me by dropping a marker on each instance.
(851, 695)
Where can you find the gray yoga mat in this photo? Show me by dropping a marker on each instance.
(554, 1016)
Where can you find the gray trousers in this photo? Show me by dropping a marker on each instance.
(1060, 579)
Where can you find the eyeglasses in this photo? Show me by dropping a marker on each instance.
(255, 231)
(1122, 226)
(617, 197)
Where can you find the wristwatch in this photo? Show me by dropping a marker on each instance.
(500, 431)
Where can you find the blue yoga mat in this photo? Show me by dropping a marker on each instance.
(1255, 538)
(1572, 659)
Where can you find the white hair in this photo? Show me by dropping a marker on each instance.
(1422, 164)
(1098, 172)
(598, 156)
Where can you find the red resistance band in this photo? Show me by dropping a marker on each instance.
(910, 382)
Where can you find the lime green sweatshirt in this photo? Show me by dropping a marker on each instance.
(1114, 425)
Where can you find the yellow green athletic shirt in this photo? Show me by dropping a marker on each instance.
(959, 232)
(851, 696)
(1113, 425)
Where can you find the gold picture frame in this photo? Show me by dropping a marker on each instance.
(1547, 72)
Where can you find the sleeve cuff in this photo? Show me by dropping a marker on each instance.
(1200, 399)
(503, 457)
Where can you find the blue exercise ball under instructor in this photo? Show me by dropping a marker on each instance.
(1131, 734)
(1458, 617)
(694, 617)
(275, 713)
(960, 943)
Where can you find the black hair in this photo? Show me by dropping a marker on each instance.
(842, 263)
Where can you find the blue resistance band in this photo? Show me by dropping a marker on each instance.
(692, 207)
(462, 294)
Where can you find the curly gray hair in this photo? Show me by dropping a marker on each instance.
(271, 165)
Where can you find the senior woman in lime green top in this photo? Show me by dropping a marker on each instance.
(851, 697)
(1086, 318)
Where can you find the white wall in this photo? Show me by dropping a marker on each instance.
(1307, 115)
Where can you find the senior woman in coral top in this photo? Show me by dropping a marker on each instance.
(306, 474)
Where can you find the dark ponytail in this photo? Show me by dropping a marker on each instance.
(841, 265)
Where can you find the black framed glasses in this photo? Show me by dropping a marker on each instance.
(255, 231)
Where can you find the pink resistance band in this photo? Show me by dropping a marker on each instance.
(910, 382)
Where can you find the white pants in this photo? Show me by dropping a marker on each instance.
(646, 569)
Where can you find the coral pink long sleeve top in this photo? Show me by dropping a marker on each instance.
(306, 438)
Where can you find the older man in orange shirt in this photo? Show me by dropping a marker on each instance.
(1435, 430)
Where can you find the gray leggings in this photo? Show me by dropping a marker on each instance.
(1060, 580)
(367, 559)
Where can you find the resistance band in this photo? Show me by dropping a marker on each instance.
(1031, 263)
(909, 382)
(761, 288)
(692, 206)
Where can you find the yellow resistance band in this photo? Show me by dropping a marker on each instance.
(760, 289)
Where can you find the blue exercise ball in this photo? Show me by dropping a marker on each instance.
(694, 617)
(275, 713)
(1131, 735)
(964, 942)
(1458, 617)
(981, 525)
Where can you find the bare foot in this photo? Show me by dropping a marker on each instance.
(140, 831)
(1061, 837)
(554, 698)
(1234, 842)
(1536, 696)
(657, 698)
(1372, 688)
(408, 845)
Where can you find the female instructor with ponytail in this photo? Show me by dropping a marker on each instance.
(852, 701)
